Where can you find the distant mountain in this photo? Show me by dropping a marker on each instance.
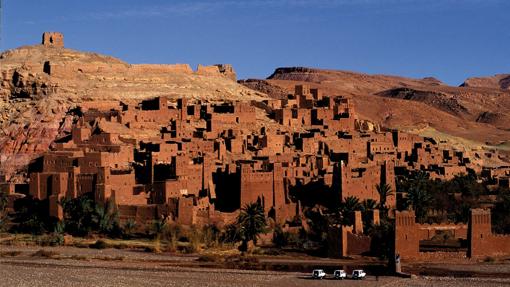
(501, 81)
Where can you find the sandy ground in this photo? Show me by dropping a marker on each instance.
(110, 267)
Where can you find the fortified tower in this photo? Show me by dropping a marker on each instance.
(480, 231)
(53, 39)
(406, 238)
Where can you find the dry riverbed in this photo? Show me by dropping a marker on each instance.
(70, 266)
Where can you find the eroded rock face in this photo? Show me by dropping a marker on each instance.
(301, 73)
(439, 100)
(265, 87)
(501, 81)
(41, 85)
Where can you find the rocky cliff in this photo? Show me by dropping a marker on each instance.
(501, 81)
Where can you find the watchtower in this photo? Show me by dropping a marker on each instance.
(480, 230)
(407, 242)
(53, 39)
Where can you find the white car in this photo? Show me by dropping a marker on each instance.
(318, 274)
(358, 274)
(339, 274)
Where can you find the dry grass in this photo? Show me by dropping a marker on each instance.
(109, 258)
(10, 253)
(79, 257)
(45, 254)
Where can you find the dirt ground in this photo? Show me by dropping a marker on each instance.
(67, 266)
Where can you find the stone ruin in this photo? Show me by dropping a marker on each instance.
(53, 39)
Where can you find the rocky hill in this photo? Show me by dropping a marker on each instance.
(501, 81)
(479, 114)
(41, 86)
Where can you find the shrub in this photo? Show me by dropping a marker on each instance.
(45, 254)
(210, 258)
(79, 257)
(280, 238)
(53, 239)
(10, 253)
(99, 244)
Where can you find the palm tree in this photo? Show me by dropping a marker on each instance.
(384, 191)
(251, 222)
(419, 199)
(158, 226)
(351, 204)
(3, 211)
(105, 217)
(129, 227)
(347, 209)
(368, 204)
(3, 201)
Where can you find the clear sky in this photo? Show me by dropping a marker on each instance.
(448, 39)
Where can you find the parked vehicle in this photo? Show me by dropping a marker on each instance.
(340, 274)
(318, 274)
(358, 274)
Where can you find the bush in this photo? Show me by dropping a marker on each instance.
(152, 249)
(210, 258)
(45, 254)
(129, 228)
(99, 244)
(83, 216)
(383, 239)
(10, 253)
(31, 216)
(53, 239)
(188, 249)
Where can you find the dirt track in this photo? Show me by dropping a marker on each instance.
(71, 273)
(126, 268)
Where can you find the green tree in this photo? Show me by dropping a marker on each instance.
(383, 239)
(251, 222)
(384, 191)
(368, 204)
(348, 206)
(31, 216)
(419, 199)
(129, 227)
(3, 209)
(159, 226)
(105, 218)
(500, 214)
(78, 215)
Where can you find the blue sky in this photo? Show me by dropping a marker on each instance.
(448, 39)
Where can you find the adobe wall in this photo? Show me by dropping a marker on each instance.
(227, 70)
(66, 69)
(160, 68)
(358, 244)
(407, 240)
(256, 185)
(482, 242)
(348, 240)
(143, 215)
(208, 70)
(337, 243)
(359, 183)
